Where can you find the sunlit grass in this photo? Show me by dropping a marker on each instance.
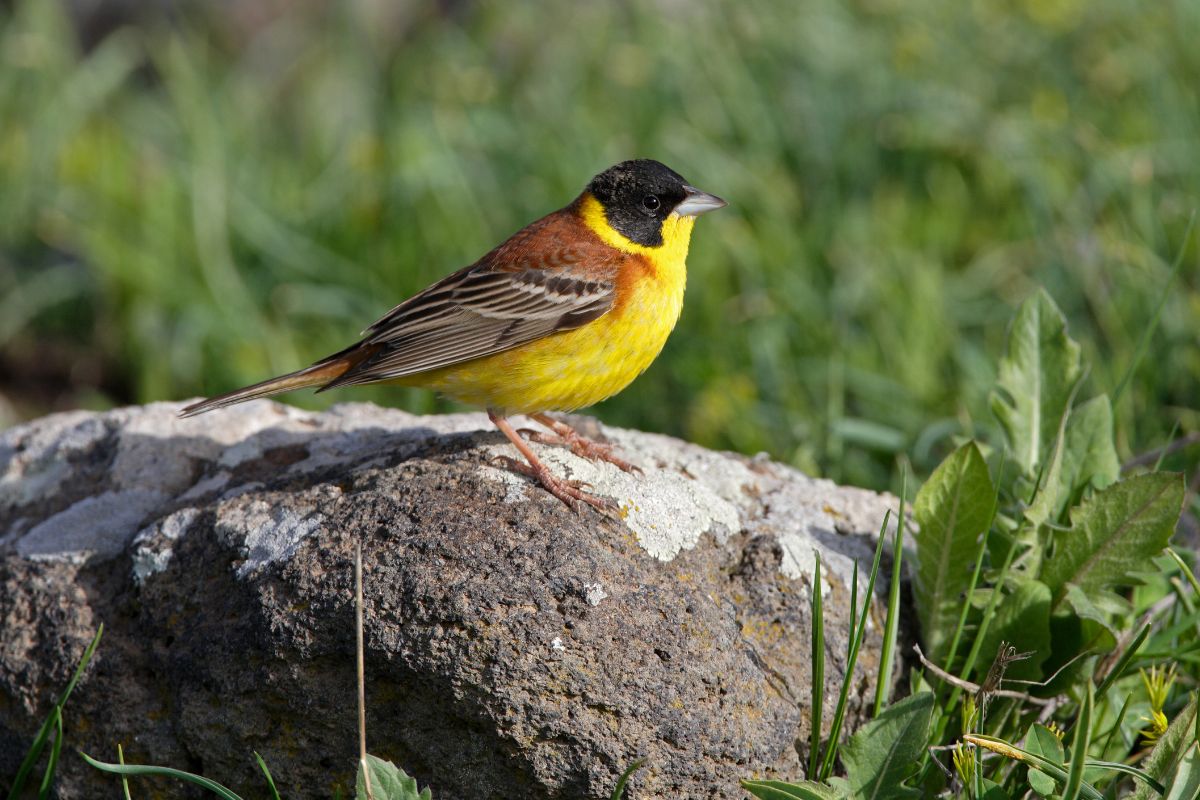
(204, 205)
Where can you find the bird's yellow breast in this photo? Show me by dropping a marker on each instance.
(576, 368)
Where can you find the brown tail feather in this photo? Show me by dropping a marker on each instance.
(316, 375)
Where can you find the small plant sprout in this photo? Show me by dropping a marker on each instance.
(970, 713)
(1158, 681)
(964, 763)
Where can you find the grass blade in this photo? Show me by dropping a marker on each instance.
(124, 778)
(1186, 570)
(167, 772)
(619, 789)
(818, 669)
(39, 741)
(853, 607)
(856, 636)
(31, 757)
(891, 625)
(1123, 663)
(1045, 765)
(83, 662)
(1144, 343)
(1079, 746)
(270, 781)
(1125, 769)
(1116, 726)
(1162, 455)
(52, 764)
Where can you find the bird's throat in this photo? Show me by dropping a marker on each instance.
(676, 235)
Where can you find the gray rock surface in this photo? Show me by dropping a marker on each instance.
(514, 648)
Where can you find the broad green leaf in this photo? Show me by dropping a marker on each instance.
(1040, 782)
(1041, 741)
(806, 790)
(1083, 455)
(952, 511)
(993, 791)
(1052, 492)
(1002, 539)
(1114, 533)
(1072, 633)
(1185, 785)
(1023, 620)
(888, 749)
(1162, 761)
(1084, 622)
(1098, 609)
(1090, 457)
(388, 782)
(1037, 375)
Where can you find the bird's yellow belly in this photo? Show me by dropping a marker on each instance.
(571, 369)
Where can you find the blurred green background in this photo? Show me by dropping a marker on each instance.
(194, 196)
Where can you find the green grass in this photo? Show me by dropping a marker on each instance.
(195, 204)
(1069, 583)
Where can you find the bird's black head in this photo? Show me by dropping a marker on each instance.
(637, 196)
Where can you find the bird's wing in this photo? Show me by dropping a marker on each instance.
(530, 287)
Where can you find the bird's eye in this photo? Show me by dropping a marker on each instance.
(651, 202)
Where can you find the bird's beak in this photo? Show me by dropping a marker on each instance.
(696, 202)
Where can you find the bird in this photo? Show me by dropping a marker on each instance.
(566, 312)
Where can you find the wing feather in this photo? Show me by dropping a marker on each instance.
(520, 292)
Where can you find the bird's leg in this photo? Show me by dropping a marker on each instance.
(570, 492)
(579, 444)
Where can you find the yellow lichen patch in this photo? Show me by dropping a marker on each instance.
(763, 631)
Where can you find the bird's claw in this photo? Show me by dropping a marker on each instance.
(581, 446)
(569, 491)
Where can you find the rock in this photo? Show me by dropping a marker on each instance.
(514, 648)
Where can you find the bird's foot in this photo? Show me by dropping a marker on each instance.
(578, 444)
(570, 492)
